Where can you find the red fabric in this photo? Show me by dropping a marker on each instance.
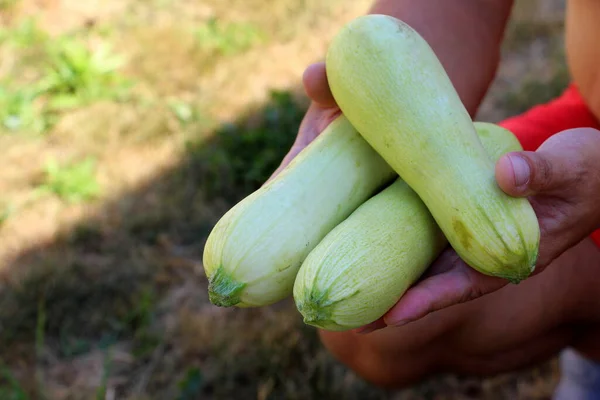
(568, 111)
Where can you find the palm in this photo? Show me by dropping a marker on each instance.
(315, 121)
(448, 281)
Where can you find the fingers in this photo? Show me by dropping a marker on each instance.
(559, 167)
(529, 173)
(314, 122)
(459, 284)
(316, 85)
(451, 282)
(293, 152)
(322, 111)
(373, 326)
(563, 176)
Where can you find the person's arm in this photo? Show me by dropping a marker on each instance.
(466, 35)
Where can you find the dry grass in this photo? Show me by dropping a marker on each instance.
(107, 297)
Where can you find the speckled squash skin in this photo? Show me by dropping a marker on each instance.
(254, 251)
(366, 263)
(395, 92)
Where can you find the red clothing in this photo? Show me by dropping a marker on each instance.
(568, 111)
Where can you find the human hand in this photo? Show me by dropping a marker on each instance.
(321, 112)
(561, 180)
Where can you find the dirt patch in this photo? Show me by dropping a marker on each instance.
(61, 16)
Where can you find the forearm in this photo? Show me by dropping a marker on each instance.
(465, 35)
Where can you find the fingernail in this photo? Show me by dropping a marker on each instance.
(373, 326)
(396, 318)
(397, 324)
(396, 321)
(366, 329)
(521, 170)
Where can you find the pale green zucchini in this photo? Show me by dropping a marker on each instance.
(367, 262)
(253, 253)
(395, 92)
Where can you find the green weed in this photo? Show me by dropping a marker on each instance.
(6, 211)
(76, 76)
(140, 321)
(10, 389)
(222, 38)
(18, 111)
(101, 391)
(7, 4)
(24, 35)
(68, 74)
(75, 182)
(183, 111)
(190, 386)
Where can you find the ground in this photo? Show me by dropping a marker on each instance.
(128, 127)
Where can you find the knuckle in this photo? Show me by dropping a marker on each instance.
(543, 173)
(581, 177)
(473, 289)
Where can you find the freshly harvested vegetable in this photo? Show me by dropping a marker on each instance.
(254, 251)
(367, 262)
(393, 89)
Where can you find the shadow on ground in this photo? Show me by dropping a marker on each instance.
(118, 302)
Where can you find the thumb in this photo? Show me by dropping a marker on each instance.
(563, 165)
(528, 173)
(317, 86)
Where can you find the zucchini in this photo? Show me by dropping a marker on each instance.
(253, 253)
(367, 262)
(393, 89)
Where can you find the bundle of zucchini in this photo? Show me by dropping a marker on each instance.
(356, 218)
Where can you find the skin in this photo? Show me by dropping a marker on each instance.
(456, 319)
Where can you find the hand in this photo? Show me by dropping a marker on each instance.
(562, 181)
(321, 112)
